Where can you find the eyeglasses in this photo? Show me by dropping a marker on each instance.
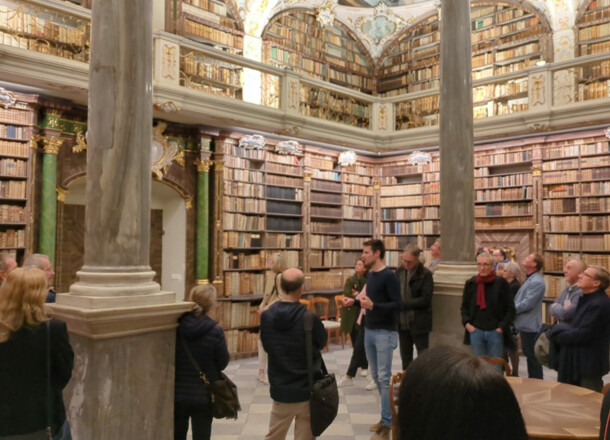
(483, 264)
(585, 274)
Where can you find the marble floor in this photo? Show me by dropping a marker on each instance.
(358, 408)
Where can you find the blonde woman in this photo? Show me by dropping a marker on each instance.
(206, 342)
(25, 331)
(277, 265)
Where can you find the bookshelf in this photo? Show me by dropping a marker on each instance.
(593, 79)
(295, 40)
(17, 125)
(330, 105)
(201, 72)
(593, 28)
(41, 29)
(214, 23)
(576, 202)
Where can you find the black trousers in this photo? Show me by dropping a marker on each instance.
(201, 416)
(406, 340)
(358, 359)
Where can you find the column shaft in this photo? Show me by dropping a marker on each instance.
(203, 223)
(48, 206)
(120, 133)
(456, 138)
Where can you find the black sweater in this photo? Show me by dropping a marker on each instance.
(383, 288)
(206, 341)
(283, 337)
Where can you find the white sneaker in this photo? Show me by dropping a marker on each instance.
(371, 385)
(364, 372)
(345, 382)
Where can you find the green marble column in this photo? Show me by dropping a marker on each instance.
(48, 197)
(203, 221)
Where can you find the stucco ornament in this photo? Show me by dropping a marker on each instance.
(288, 147)
(252, 141)
(379, 28)
(326, 16)
(420, 158)
(347, 158)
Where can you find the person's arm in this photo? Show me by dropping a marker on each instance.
(349, 286)
(530, 296)
(221, 352)
(425, 300)
(62, 356)
(591, 326)
(465, 308)
(563, 311)
(556, 310)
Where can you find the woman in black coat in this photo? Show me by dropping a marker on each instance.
(206, 342)
(25, 358)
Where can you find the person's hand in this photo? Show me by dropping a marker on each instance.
(567, 303)
(366, 303)
(260, 310)
(499, 330)
(355, 292)
(470, 328)
(347, 302)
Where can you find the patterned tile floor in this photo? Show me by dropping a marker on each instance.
(358, 408)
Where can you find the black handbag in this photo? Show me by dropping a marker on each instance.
(223, 392)
(324, 397)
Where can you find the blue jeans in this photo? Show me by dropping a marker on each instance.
(379, 346)
(487, 342)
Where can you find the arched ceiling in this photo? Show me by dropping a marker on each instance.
(377, 22)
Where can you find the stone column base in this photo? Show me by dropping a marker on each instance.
(122, 385)
(449, 279)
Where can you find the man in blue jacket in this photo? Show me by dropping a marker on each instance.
(528, 305)
(583, 343)
(283, 338)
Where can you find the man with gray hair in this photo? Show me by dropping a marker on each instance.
(416, 286)
(7, 265)
(563, 308)
(42, 262)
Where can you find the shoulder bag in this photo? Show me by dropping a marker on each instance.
(324, 397)
(223, 392)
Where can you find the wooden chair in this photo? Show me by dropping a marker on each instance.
(306, 303)
(320, 306)
(498, 361)
(395, 382)
(338, 307)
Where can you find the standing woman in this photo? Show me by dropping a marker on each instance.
(277, 265)
(34, 351)
(206, 343)
(350, 324)
(512, 273)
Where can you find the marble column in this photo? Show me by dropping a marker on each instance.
(203, 221)
(48, 197)
(122, 326)
(457, 172)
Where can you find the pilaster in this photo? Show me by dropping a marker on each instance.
(203, 219)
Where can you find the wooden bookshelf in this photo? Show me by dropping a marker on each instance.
(576, 202)
(215, 23)
(199, 71)
(41, 29)
(17, 125)
(294, 39)
(593, 27)
(327, 104)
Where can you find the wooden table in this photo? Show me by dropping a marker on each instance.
(553, 410)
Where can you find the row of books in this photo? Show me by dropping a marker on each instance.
(12, 189)
(358, 179)
(78, 53)
(244, 260)
(329, 279)
(15, 116)
(504, 180)
(18, 20)
(14, 131)
(502, 209)
(243, 175)
(321, 197)
(243, 222)
(244, 189)
(11, 148)
(279, 168)
(212, 34)
(357, 213)
(12, 238)
(279, 180)
(13, 167)
(230, 315)
(594, 48)
(504, 223)
(401, 213)
(209, 5)
(561, 190)
(200, 66)
(243, 283)
(244, 204)
(326, 211)
(594, 32)
(12, 214)
(594, 71)
(394, 202)
(285, 224)
(401, 190)
(594, 90)
(554, 285)
(234, 239)
(569, 223)
(241, 341)
(496, 195)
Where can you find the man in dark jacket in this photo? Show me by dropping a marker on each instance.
(583, 343)
(416, 286)
(487, 310)
(283, 338)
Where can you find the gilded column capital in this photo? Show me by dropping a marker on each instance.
(219, 166)
(376, 185)
(61, 194)
(203, 166)
(307, 176)
(536, 171)
(51, 145)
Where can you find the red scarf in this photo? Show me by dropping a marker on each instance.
(481, 289)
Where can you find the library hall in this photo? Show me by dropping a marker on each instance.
(192, 186)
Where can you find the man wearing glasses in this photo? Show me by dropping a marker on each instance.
(583, 343)
(487, 310)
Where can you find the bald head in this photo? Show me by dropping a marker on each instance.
(292, 281)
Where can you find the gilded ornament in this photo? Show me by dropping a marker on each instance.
(538, 90)
(167, 107)
(163, 152)
(189, 203)
(383, 118)
(51, 145)
(536, 171)
(201, 282)
(81, 143)
(170, 64)
(203, 166)
(61, 194)
(219, 166)
(376, 185)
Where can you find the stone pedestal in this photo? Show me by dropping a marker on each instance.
(449, 279)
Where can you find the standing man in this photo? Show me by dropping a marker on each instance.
(435, 251)
(416, 286)
(499, 257)
(382, 303)
(42, 262)
(583, 343)
(7, 265)
(487, 310)
(563, 308)
(283, 338)
(528, 305)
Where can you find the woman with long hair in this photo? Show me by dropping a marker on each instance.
(277, 265)
(205, 340)
(36, 359)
